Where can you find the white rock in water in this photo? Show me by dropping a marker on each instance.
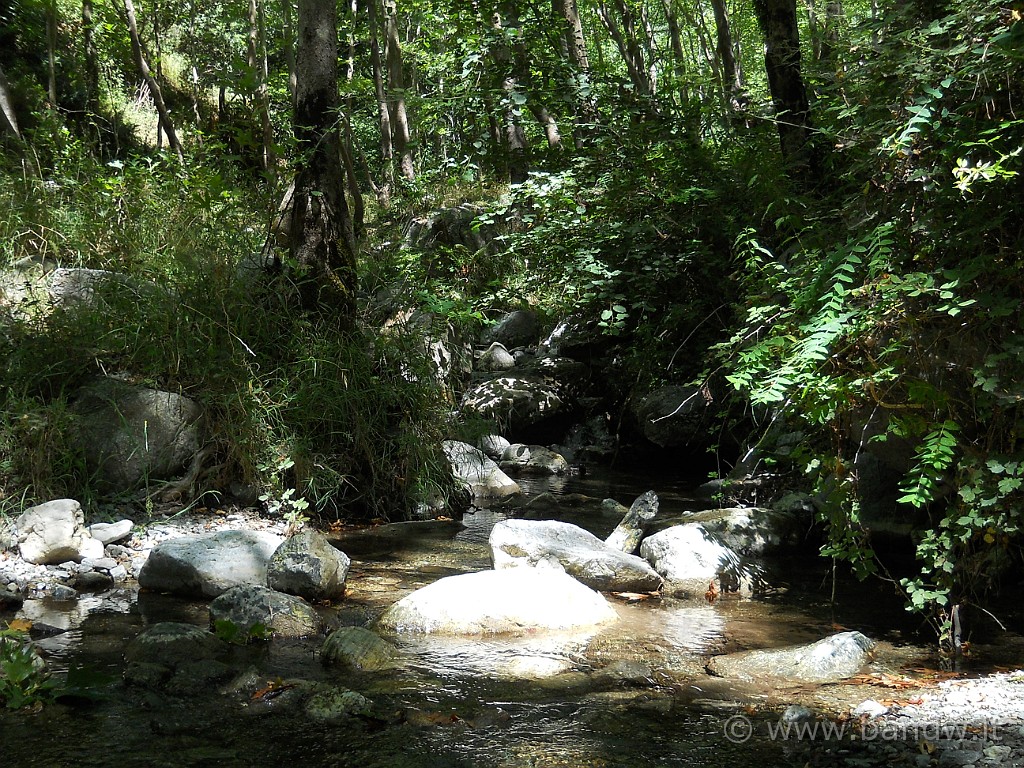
(514, 601)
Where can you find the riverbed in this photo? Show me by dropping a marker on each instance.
(633, 694)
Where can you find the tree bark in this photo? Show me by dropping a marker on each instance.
(322, 241)
(401, 135)
(732, 83)
(51, 51)
(257, 50)
(778, 22)
(147, 75)
(513, 135)
(288, 33)
(384, 114)
(574, 44)
(91, 60)
(8, 118)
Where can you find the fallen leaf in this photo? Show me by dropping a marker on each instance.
(19, 625)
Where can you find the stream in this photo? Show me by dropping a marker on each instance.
(634, 693)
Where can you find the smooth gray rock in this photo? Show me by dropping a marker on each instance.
(130, 435)
(171, 644)
(495, 358)
(308, 565)
(209, 564)
(493, 445)
(55, 532)
(673, 416)
(109, 533)
(73, 286)
(360, 649)
(533, 459)
(519, 328)
(513, 601)
(687, 556)
(634, 524)
(252, 606)
(833, 658)
(482, 477)
(583, 556)
(753, 531)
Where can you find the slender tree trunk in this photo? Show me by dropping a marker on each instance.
(732, 82)
(51, 51)
(835, 16)
(513, 134)
(321, 237)
(147, 75)
(91, 60)
(258, 66)
(8, 118)
(691, 110)
(384, 114)
(288, 33)
(778, 22)
(574, 43)
(621, 25)
(352, 182)
(400, 131)
(158, 66)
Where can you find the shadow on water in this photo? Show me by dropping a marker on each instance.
(634, 693)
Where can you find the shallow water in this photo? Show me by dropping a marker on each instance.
(631, 694)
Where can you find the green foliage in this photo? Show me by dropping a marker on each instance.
(229, 632)
(24, 679)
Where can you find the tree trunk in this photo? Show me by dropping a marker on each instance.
(778, 22)
(147, 75)
(514, 137)
(258, 66)
(321, 236)
(574, 44)
(384, 114)
(91, 60)
(8, 119)
(288, 33)
(691, 111)
(621, 25)
(51, 51)
(732, 83)
(401, 135)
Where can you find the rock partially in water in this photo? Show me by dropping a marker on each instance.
(360, 649)
(753, 531)
(172, 644)
(332, 704)
(533, 459)
(248, 608)
(673, 416)
(516, 329)
(634, 524)
(688, 557)
(481, 475)
(308, 565)
(55, 532)
(582, 555)
(512, 601)
(833, 658)
(208, 565)
(515, 402)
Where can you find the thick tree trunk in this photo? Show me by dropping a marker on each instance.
(778, 22)
(91, 60)
(147, 75)
(8, 118)
(321, 236)
(400, 131)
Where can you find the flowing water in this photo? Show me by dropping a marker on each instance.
(632, 694)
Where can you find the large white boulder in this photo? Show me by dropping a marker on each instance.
(832, 658)
(513, 601)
